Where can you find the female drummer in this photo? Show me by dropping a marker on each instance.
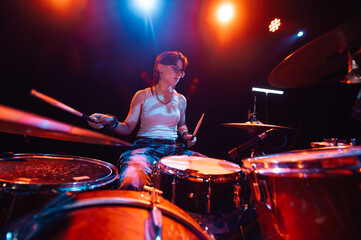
(160, 109)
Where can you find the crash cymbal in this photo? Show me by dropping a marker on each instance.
(323, 60)
(19, 122)
(254, 127)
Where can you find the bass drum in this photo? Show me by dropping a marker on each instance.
(29, 181)
(308, 194)
(106, 214)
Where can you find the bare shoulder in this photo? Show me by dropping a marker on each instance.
(181, 98)
(139, 96)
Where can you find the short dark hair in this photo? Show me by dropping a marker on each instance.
(168, 58)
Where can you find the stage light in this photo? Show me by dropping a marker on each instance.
(267, 91)
(146, 5)
(274, 25)
(9, 236)
(300, 34)
(60, 5)
(225, 12)
(63, 10)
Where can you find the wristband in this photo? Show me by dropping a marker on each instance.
(113, 124)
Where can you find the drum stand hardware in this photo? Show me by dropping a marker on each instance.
(154, 223)
(154, 194)
(334, 142)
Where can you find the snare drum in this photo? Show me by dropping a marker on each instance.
(309, 194)
(199, 184)
(28, 181)
(106, 214)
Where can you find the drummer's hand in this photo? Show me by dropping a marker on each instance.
(100, 120)
(189, 139)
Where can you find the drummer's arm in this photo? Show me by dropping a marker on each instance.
(182, 127)
(111, 122)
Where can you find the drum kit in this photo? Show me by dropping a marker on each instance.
(305, 194)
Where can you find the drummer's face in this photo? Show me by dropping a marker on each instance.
(171, 73)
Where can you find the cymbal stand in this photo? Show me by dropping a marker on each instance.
(252, 117)
(266, 91)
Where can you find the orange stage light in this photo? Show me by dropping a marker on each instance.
(225, 12)
(221, 23)
(65, 9)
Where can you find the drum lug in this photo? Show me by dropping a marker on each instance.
(261, 193)
(174, 185)
(209, 196)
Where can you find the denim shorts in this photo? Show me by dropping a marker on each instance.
(145, 153)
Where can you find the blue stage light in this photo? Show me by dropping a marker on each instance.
(146, 5)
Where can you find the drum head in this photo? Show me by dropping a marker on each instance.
(199, 166)
(45, 172)
(106, 214)
(312, 162)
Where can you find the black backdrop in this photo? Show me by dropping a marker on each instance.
(93, 60)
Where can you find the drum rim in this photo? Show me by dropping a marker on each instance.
(313, 161)
(128, 200)
(18, 185)
(198, 176)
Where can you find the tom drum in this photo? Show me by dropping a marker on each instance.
(200, 184)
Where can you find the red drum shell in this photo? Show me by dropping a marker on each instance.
(106, 214)
(28, 181)
(309, 194)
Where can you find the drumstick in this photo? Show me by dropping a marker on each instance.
(58, 104)
(198, 125)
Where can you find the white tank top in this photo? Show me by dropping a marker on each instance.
(159, 120)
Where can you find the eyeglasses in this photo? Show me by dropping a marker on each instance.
(177, 70)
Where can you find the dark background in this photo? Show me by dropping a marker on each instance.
(94, 55)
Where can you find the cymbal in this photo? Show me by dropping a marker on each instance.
(19, 122)
(323, 60)
(254, 126)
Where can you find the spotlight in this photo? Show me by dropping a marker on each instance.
(225, 12)
(274, 25)
(146, 5)
(300, 34)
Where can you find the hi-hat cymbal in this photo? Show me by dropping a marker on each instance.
(254, 126)
(19, 122)
(323, 60)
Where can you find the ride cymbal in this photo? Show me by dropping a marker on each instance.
(254, 126)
